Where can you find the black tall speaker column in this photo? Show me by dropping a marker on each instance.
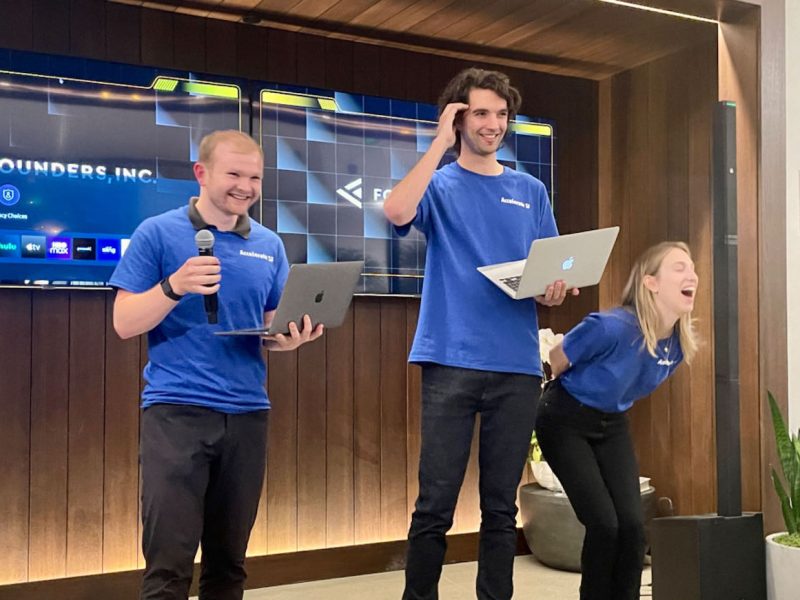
(718, 556)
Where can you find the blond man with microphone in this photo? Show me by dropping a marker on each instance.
(187, 273)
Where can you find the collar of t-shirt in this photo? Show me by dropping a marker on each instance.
(242, 227)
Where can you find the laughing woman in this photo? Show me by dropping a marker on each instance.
(606, 363)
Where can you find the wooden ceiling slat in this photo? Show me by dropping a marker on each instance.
(479, 23)
(581, 38)
(414, 14)
(345, 11)
(447, 15)
(313, 8)
(376, 13)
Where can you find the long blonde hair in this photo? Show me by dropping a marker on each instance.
(638, 298)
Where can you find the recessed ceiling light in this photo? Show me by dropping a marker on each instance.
(661, 11)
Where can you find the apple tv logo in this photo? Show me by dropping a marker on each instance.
(568, 264)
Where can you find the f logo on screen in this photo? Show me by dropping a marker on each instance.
(352, 192)
(318, 297)
(568, 264)
(9, 195)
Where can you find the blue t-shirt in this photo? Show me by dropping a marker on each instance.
(472, 220)
(188, 364)
(611, 367)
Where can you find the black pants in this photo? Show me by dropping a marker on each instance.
(451, 399)
(202, 473)
(592, 454)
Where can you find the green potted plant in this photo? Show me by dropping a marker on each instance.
(783, 549)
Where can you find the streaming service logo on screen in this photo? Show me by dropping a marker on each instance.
(9, 246)
(33, 246)
(59, 248)
(108, 249)
(84, 249)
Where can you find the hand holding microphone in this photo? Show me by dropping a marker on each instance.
(204, 240)
(200, 274)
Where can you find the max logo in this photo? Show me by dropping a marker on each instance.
(318, 297)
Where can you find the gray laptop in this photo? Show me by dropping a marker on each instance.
(321, 291)
(578, 259)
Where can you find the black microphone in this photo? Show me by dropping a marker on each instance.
(204, 240)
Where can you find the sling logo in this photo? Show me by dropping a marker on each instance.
(352, 192)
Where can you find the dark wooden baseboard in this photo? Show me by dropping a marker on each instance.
(263, 571)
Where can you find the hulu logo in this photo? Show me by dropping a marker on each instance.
(8, 246)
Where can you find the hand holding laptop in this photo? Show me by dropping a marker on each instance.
(555, 294)
(281, 342)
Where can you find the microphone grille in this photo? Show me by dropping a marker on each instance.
(204, 239)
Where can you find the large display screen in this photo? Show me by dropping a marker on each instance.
(84, 161)
(331, 158)
(89, 149)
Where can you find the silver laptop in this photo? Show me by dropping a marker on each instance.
(321, 291)
(578, 259)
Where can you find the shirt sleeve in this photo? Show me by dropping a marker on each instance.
(140, 268)
(587, 339)
(281, 273)
(422, 219)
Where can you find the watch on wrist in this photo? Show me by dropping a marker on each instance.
(168, 291)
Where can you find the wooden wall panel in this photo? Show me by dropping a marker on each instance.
(189, 36)
(311, 446)
(81, 43)
(17, 24)
(367, 418)
(703, 469)
(87, 315)
(49, 436)
(220, 47)
(393, 499)
(282, 500)
(123, 33)
(54, 39)
(121, 449)
(251, 52)
(310, 60)
(738, 81)
(340, 436)
(15, 365)
(157, 38)
(413, 410)
(659, 139)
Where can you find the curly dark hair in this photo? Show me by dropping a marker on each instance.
(457, 90)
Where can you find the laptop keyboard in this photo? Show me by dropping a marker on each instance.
(512, 282)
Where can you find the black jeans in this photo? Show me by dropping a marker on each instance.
(451, 399)
(592, 454)
(202, 473)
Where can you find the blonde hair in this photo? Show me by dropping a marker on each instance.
(638, 298)
(241, 142)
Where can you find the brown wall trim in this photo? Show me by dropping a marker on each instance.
(263, 571)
